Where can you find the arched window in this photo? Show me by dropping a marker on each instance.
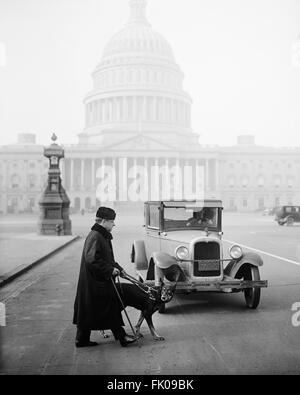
(290, 182)
(87, 203)
(245, 181)
(77, 203)
(277, 181)
(260, 181)
(231, 182)
(15, 181)
(32, 180)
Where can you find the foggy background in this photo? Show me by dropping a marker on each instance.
(240, 58)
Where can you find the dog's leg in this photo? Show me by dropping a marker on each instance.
(138, 325)
(152, 329)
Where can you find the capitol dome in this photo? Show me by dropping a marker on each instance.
(138, 38)
(137, 88)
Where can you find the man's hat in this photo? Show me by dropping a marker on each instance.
(106, 213)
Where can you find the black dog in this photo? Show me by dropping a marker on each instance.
(147, 300)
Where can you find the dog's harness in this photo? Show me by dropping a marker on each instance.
(143, 287)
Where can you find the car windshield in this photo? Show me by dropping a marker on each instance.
(190, 218)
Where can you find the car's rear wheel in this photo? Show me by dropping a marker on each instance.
(252, 295)
(290, 221)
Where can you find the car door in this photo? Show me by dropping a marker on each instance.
(297, 213)
(152, 240)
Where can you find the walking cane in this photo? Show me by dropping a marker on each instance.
(117, 292)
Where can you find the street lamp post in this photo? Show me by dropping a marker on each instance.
(54, 202)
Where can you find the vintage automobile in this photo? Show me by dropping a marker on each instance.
(187, 235)
(287, 215)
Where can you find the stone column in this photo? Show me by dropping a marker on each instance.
(217, 175)
(102, 167)
(72, 174)
(82, 174)
(207, 184)
(93, 173)
(5, 185)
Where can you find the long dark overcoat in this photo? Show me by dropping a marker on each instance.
(96, 304)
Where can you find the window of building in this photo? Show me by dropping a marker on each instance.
(290, 182)
(260, 181)
(277, 181)
(245, 182)
(32, 181)
(261, 203)
(245, 203)
(32, 165)
(231, 182)
(15, 181)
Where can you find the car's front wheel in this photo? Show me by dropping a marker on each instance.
(252, 295)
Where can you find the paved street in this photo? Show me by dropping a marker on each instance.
(204, 334)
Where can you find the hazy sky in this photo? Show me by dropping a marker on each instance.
(237, 57)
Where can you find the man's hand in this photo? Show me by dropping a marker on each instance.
(116, 272)
(123, 274)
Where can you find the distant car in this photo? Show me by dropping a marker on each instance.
(287, 215)
(188, 236)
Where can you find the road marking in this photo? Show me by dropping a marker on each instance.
(265, 253)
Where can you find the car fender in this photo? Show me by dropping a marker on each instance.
(249, 258)
(138, 255)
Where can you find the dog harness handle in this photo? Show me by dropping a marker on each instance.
(141, 286)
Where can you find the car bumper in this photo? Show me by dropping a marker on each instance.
(226, 286)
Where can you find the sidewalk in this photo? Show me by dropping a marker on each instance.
(20, 252)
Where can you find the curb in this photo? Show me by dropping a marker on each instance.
(10, 276)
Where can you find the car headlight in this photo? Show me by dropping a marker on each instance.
(182, 252)
(236, 252)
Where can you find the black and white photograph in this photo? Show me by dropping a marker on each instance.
(150, 190)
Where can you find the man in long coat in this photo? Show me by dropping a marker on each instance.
(97, 306)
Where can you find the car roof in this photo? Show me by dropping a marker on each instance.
(188, 203)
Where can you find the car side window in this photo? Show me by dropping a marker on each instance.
(154, 216)
(288, 209)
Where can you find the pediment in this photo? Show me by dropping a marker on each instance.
(140, 143)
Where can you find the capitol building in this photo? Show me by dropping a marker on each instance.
(138, 120)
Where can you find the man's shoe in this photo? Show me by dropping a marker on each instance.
(127, 340)
(131, 336)
(79, 344)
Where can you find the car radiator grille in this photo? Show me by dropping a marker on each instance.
(210, 250)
